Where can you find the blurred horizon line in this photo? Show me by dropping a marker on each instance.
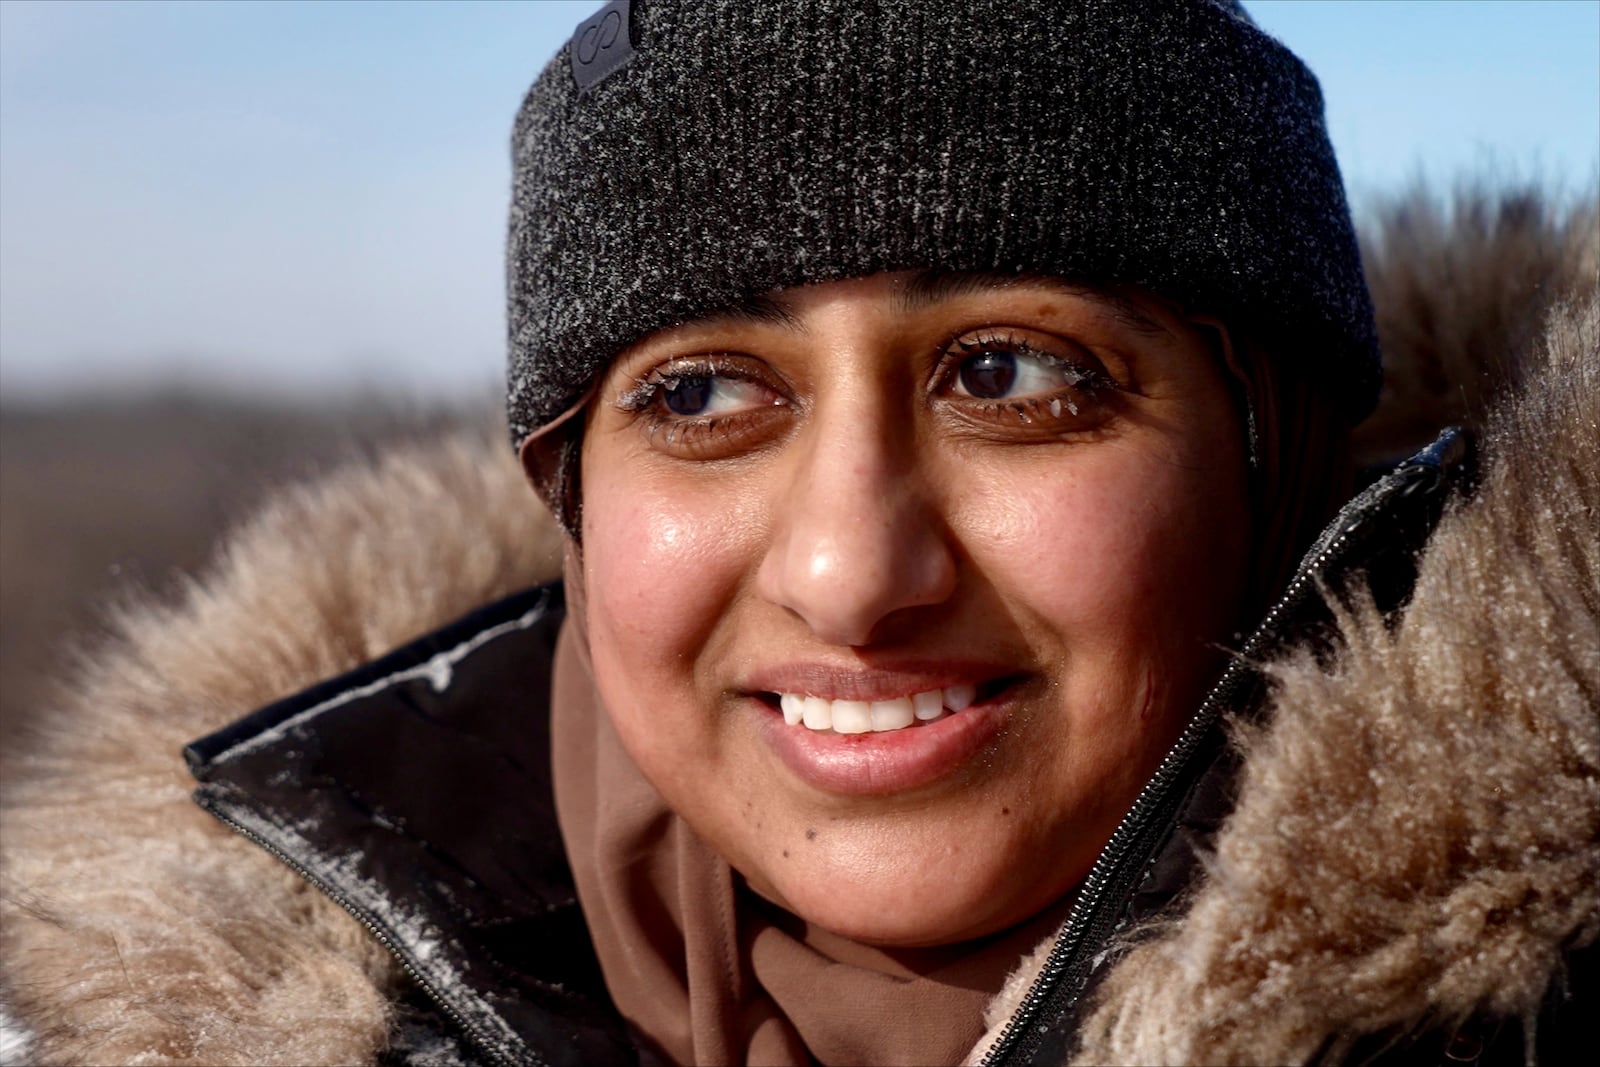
(186, 390)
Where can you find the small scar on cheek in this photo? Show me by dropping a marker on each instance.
(811, 833)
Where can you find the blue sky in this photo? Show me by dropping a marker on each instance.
(293, 197)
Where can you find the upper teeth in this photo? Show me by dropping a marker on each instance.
(863, 716)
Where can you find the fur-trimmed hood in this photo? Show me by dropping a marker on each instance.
(1414, 841)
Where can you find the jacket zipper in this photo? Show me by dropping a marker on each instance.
(474, 1034)
(1010, 1046)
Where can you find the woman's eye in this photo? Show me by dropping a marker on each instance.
(993, 375)
(709, 396)
(707, 407)
(1037, 381)
(1014, 373)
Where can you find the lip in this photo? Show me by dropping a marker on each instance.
(894, 761)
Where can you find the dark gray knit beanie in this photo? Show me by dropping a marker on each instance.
(676, 157)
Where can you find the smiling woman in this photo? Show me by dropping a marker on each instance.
(969, 643)
(796, 529)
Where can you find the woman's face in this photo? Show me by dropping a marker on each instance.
(980, 535)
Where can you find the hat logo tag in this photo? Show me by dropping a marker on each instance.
(600, 45)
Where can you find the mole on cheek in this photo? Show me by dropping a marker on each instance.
(811, 833)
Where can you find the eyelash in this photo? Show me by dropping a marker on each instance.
(1087, 379)
(1088, 376)
(642, 400)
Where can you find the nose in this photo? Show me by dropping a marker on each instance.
(856, 536)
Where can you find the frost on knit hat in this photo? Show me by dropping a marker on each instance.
(720, 148)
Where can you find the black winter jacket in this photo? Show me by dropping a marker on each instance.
(415, 791)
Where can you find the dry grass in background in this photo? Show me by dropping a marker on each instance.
(1461, 281)
(99, 499)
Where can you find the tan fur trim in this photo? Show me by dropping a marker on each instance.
(1416, 834)
(1009, 999)
(136, 929)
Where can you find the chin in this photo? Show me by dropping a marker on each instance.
(926, 899)
(891, 923)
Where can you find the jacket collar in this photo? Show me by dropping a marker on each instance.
(415, 792)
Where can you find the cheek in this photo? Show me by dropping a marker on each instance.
(661, 568)
(1124, 577)
(1104, 538)
(646, 565)
(1066, 542)
(1126, 563)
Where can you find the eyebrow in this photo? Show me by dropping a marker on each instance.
(762, 308)
(928, 287)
